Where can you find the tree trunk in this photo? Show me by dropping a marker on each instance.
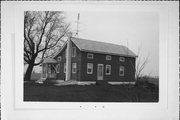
(27, 76)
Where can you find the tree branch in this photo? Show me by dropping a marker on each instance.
(43, 30)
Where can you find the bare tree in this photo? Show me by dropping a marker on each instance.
(43, 31)
(140, 65)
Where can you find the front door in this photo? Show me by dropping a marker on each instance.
(100, 72)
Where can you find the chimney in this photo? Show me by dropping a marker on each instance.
(68, 59)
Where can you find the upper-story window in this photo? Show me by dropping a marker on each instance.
(122, 59)
(108, 57)
(59, 58)
(73, 51)
(90, 55)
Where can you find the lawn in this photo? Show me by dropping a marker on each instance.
(90, 93)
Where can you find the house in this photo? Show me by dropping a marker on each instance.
(90, 61)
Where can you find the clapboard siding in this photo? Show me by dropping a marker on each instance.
(99, 58)
(129, 65)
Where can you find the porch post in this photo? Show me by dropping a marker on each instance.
(42, 65)
(46, 70)
(68, 59)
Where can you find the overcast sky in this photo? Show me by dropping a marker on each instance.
(132, 29)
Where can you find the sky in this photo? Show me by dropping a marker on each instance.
(136, 30)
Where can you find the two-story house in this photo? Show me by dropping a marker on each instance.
(89, 61)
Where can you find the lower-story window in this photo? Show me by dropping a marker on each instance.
(108, 69)
(58, 68)
(44, 68)
(74, 67)
(49, 68)
(89, 68)
(121, 71)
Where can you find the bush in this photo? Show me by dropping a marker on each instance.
(144, 83)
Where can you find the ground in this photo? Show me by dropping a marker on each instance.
(90, 93)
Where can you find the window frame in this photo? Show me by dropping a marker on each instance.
(108, 56)
(49, 68)
(73, 51)
(58, 68)
(120, 59)
(44, 71)
(74, 68)
(108, 67)
(121, 70)
(91, 68)
(92, 55)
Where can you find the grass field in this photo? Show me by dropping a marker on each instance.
(90, 93)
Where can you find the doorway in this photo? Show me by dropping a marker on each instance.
(100, 72)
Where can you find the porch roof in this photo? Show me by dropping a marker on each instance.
(49, 60)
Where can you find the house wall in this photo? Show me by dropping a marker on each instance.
(77, 59)
(61, 75)
(129, 65)
(82, 60)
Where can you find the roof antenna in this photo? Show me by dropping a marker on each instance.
(77, 25)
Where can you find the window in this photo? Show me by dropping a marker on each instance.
(108, 69)
(74, 67)
(64, 67)
(49, 68)
(73, 52)
(108, 57)
(90, 55)
(122, 59)
(44, 68)
(59, 58)
(89, 68)
(121, 71)
(58, 68)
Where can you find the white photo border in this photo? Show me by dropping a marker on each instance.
(168, 75)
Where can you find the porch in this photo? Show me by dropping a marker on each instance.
(50, 69)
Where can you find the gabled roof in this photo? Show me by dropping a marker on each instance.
(102, 47)
(61, 49)
(49, 60)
